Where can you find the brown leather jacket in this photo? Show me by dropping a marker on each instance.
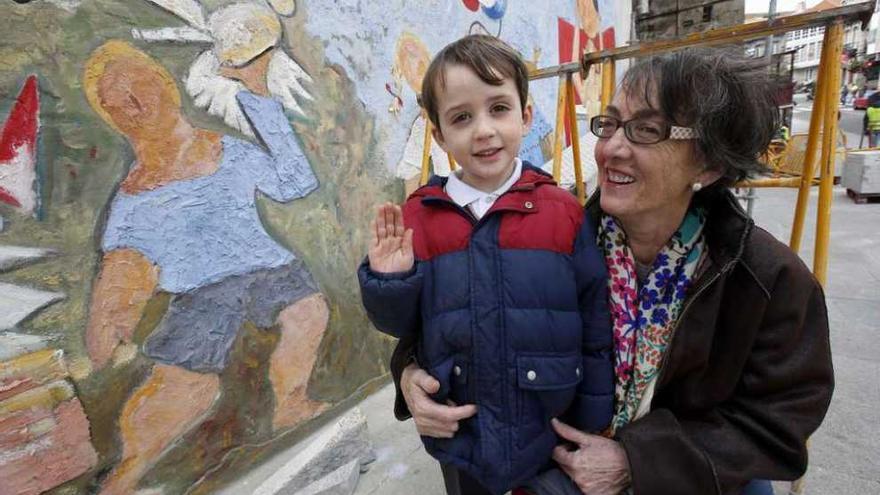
(747, 377)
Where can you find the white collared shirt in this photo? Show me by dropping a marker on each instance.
(479, 202)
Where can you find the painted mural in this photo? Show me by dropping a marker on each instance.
(184, 190)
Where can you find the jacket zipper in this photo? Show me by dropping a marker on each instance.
(681, 315)
(475, 225)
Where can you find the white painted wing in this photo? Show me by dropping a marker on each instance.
(180, 34)
(283, 79)
(188, 10)
(18, 303)
(216, 93)
(283, 7)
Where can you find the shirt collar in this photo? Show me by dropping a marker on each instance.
(463, 194)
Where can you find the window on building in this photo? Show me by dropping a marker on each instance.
(707, 13)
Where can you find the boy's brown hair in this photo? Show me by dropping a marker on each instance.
(491, 59)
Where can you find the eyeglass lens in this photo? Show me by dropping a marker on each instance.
(641, 131)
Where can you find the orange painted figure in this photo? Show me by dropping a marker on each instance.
(184, 222)
(411, 59)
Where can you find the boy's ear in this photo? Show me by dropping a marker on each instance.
(438, 137)
(527, 119)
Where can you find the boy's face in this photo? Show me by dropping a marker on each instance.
(481, 126)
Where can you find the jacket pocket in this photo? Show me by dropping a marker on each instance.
(452, 373)
(546, 386)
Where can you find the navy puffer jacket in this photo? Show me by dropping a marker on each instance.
(510, 313)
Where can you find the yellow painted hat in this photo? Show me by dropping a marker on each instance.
(242, 31)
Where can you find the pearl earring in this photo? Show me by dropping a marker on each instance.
(696, 186)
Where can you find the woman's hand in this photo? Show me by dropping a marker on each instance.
(432, 419)
(391, 247)
(598, 465)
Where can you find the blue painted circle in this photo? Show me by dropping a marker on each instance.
(496, 10)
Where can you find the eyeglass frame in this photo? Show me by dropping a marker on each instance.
(673, 132)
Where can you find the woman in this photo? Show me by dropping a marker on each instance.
(721, 335)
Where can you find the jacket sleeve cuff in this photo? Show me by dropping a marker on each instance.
(391, 299)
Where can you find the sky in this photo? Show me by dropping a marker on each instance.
(755, 6)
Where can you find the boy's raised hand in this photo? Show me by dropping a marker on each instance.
(391, 245)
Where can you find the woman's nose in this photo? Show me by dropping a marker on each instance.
(617, 144)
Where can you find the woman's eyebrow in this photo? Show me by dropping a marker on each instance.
(645, 113)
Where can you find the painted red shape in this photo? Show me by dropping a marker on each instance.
(568, 35)
(8, 198)
(21, 126)
(18, 143)
(472, 5)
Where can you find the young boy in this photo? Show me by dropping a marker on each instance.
(494, 274)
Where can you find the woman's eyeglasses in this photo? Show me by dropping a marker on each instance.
(639, 131)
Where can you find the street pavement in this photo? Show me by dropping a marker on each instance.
(850, 120)
(845, 451)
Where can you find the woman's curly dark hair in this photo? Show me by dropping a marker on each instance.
(729, 99)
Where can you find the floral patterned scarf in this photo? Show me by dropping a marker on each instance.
(643, 319)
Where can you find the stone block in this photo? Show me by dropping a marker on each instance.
(30, 371)
(44, 433)
(343, 481)
(328, 451)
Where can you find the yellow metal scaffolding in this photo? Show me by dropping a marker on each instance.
(823, 121)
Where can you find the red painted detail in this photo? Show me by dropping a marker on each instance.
(8, 198)
(93, 152)
(550, 223)
(472, 5)
(568, 36)
(566, 39)
(22, 123)
(608, 38)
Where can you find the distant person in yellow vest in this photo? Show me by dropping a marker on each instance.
(872, 124)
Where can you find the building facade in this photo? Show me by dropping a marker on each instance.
(666, 19)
